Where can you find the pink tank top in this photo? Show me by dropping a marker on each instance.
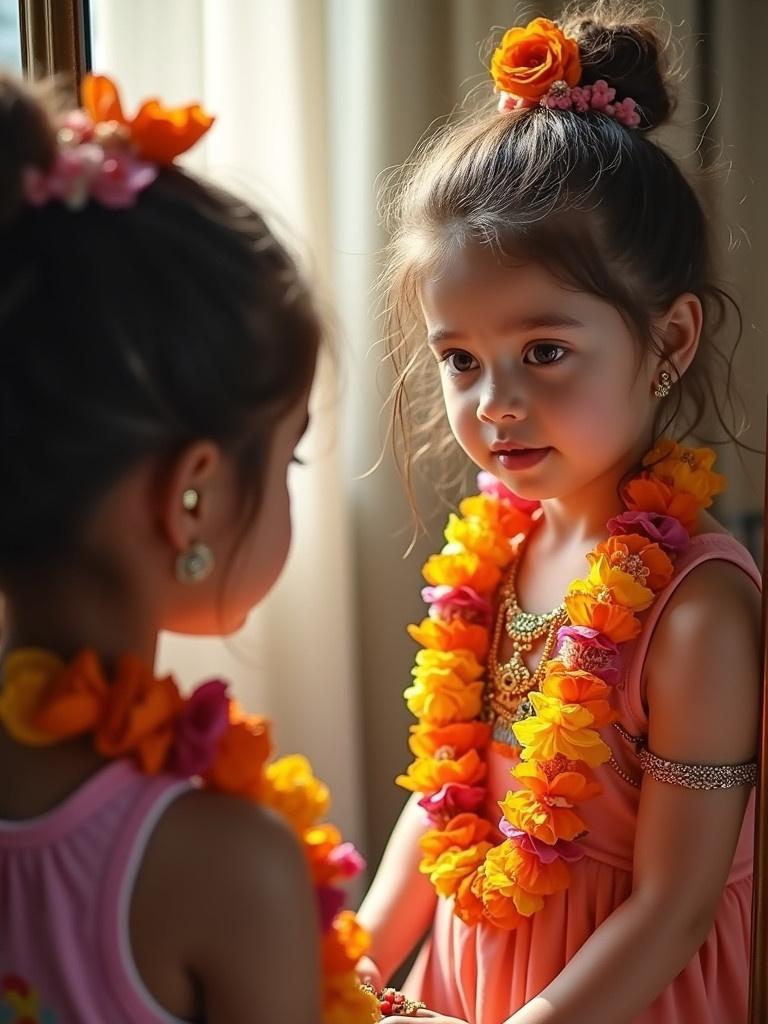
(65, 886)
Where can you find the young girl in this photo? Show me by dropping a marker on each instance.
(581, 828)
(157, 347)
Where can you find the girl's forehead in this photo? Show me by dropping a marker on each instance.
(477, 282)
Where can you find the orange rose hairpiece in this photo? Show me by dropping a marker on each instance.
(539, 65)
(105, 156)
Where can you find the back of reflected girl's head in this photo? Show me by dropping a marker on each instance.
(126, 334)
(599, 204)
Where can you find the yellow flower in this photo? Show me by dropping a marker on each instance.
(27, 677)
(464, 569)
(345, 1002)
(609, 584)
(504, 898)
(559, 728)
(476, 535)
(442, 697)
(500, 516)
(462, 664)
(292, 790)
(452, 867)
(687, 470)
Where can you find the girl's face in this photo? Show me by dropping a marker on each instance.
(543, 384)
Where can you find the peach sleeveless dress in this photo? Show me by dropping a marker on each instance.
(483, 975)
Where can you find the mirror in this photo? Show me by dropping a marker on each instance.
(10, 36)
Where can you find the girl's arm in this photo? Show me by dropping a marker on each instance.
(703, 699)
(400, 902)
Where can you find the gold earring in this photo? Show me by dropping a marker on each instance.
(194, 564)
(664, 385)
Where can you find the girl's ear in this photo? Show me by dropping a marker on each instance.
(185, 496)
(680, 329)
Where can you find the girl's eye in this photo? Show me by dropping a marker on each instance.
(458, 361)
(546, 353)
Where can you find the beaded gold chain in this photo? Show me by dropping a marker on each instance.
(506, 695)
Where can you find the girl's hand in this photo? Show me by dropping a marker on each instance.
(368, 972)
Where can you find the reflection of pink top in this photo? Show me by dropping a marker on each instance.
(65, 886)
(482, 975)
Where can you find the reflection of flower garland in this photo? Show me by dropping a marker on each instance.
(44, 701)
(560, 743)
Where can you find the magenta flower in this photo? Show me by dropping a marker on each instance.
(666, 531)
(457, 602)
(329, 902)
(199, 728)
(451, 799)
(569, 852)
(494, 488)
(585, 649)
(347, 861)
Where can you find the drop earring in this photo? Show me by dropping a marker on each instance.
(664, 385)
(194, 564)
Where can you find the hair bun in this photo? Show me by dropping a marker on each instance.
(27, 137)
(629, 54)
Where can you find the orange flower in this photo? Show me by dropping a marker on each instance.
(467, 904)
(687, 470)
(632, 553)
(238, 766)
(158, 133)
(27, 677)
(343, 944)
(544, 808)
(461, 832)
(345, 1002)
(499, 515)
(496, 900)
(139, 716)
(573, 686)
(454, 635)
(529, 60)
(612, 620)
(319, 843)
(559, 728)
(450, 741)
(463, 570)
(646, 494)
(479, 537)
(504, 898)
(292, 790)
(76, 699)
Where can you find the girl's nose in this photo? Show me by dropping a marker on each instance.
(500, 400)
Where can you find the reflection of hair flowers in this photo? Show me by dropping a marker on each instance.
(529, 60)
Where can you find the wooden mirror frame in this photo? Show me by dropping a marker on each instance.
(55, 40)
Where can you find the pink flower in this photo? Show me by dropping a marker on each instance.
(509, 102)
(199, 728)
(567, 851)
(329, 902)
(585, 649)
(489, 485)
(347, 861)
(450, 800)
(666, 531)
(120, 179)
(457, 602)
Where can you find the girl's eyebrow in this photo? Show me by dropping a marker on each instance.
(526, 323)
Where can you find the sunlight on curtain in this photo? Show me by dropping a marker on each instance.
(257, 66)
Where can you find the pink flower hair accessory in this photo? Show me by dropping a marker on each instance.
(581, 98)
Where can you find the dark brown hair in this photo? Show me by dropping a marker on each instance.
(603, 207)
(126, 334)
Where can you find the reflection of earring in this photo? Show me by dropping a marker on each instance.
(194, 564)
(664, 386)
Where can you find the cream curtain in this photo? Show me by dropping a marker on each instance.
(316, 100)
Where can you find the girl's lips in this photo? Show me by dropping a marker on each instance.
(522, 458)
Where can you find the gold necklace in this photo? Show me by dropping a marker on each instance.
(509, 684)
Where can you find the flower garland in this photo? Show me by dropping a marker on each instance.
(560, 745)
(207, 736)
